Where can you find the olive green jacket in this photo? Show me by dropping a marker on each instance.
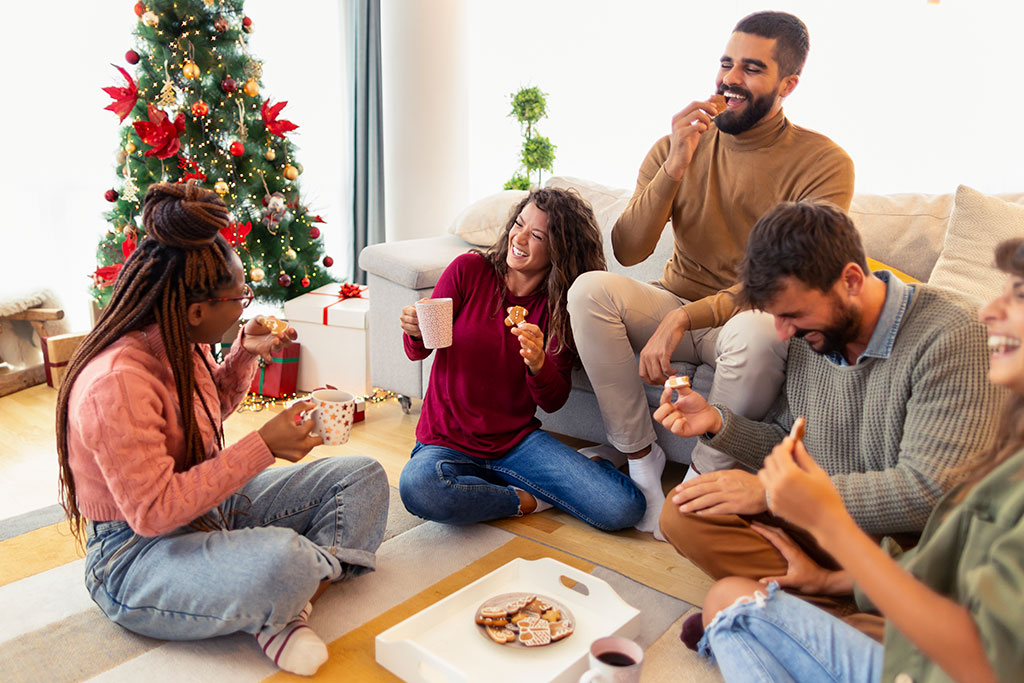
(972, 553)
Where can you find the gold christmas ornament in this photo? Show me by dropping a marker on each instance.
(190, 70)
(130, 147)
(150, 19)
(270, 155)
(220, 187)
(121, 156)
(257, 274)
(291, 255)
(252, 88)
(290, 172)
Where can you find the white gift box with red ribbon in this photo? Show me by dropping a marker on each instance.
(332, 331)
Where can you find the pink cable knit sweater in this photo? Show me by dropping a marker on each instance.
(126, 444)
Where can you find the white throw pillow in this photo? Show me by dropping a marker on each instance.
(977, 224)
(483, 221)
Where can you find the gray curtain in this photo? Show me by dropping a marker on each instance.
(368, 193)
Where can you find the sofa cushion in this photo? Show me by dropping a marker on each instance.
(416, 264)
(978, 223)
(904, 231)
(483, 221)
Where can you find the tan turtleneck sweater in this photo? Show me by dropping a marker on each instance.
(730, 183)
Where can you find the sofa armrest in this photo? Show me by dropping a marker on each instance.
(413, 264)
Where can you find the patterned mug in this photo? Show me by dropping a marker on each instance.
(435, 320)
(332, 415)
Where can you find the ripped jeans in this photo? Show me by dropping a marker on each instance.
(779, 637)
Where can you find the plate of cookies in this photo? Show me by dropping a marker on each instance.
(524, 620)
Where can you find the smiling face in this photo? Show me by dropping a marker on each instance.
(1004, 317)
(209, 320)
(749, 79)
(528, 248)
(826, 322)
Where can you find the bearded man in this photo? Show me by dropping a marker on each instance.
(713, 176)
(891, 378)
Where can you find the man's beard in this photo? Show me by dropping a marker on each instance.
(735, 123)
(843, 330)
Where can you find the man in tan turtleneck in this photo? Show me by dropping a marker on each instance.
(713, 176)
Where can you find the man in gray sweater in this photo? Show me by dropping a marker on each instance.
(891, 378)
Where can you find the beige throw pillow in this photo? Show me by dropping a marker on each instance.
(483, 221)
(977, 224)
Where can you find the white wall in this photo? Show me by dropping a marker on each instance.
(922, 96)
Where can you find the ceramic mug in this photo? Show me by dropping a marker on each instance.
(435, 320)
(614, 660)
(332, 415)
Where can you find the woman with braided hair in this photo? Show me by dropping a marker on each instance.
(186, 538)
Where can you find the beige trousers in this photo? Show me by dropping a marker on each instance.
(613, 316)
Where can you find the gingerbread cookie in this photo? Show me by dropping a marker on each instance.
(516, 315)
(678, 382)
(719, 102)
(799, 427)
(534, 632)
(524, 620)
(274, 325)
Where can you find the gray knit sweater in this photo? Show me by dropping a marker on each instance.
(888, 431)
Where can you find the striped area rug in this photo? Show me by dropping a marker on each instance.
(51, 631)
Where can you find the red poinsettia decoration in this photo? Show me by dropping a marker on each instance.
(236, 233)
(161, 133)
(129, 244)
(124, 98)
(191, 169)
(105, 276)
(270, 114)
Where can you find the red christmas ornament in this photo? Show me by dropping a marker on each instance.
(110, 195)
(140, 9)
(200, 109)
(328, 261)
(247, 24)
(132, 57)
(284, 279)
(304, 282)
(314, 232)
(228, 85)
(237, 148)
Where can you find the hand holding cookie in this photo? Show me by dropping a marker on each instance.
(531, 346)
(265, 334)
(719, 102)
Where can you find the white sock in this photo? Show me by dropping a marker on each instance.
(295, 648)
(646, 474)
(605, 452)
(542, 505)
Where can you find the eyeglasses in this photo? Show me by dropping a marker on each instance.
(245, 299)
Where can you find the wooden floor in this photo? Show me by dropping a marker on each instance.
(28, 481)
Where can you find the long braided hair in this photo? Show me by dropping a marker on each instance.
(182, 258)
(575, 245)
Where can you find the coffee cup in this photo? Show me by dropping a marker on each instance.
(435, 321)
(332, 414)
(614, 660)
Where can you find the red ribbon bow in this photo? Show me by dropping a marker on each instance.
(350, 291)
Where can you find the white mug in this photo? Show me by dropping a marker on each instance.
(435, 320)
(332, 415)
(614, 660)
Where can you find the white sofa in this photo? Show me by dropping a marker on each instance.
(945, 239)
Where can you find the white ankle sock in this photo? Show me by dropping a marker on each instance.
(646, 474)
(605, 452)
(542, 505)
(296, 647)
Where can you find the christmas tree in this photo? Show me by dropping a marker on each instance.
(195, 110)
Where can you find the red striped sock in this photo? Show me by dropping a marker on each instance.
(296, 647)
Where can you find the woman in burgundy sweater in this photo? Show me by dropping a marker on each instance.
(480, 452)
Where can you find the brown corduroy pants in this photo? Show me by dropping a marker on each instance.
(726, 545)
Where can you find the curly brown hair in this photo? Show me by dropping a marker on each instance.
(575, 245)
(182, 258)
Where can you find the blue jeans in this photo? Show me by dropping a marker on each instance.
(779, 637)
(445, 485)
(289, 528)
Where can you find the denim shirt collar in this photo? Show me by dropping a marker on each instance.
(898, 295)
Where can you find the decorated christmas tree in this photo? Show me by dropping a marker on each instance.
(195, 109)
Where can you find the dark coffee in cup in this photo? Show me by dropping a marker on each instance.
(616, 659)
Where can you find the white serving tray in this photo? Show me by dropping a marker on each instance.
(441, 643)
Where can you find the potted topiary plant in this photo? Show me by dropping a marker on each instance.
(529, 106)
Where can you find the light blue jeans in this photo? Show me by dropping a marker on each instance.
(289, 529)
(779, 637)
(445, 485)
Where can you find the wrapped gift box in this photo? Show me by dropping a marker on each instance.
(360, 414)
(332, 330)
(57, 351)
(278, 377)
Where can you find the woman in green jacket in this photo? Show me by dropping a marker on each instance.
(954, 605)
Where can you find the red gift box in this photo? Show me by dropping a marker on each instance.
(277, 378)
(360, 413)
